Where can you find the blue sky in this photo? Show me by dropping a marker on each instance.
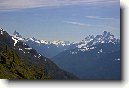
(52, 20)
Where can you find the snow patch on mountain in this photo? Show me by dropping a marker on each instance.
(73, 52)
(48, 47)
(39, 56)
(15, 41)
(57, 42)
(1, 31)
(118, 59)
(90, 40)
(28, 48)
(44, 41)
(101, 50)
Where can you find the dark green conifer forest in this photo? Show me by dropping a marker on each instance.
(12, 67)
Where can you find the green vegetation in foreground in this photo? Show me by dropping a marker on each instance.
(12, 67)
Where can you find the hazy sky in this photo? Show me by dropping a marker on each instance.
(69, 20)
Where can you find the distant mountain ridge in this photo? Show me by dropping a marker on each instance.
(57, 42)
(51, 49)
(46, 48)
(106, 37)
(95, 57)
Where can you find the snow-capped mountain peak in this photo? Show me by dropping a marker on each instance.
(85, 45)
(105, 37)
(60, 42)
(17, 34)
(44, 41)
(90, 37)
(33, 39)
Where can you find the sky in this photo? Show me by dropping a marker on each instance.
(68, 20)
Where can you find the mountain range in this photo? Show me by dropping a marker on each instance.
(19, 61)
(94, 57)
(51, 49)
(46, 48)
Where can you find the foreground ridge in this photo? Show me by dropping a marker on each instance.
(19, 61)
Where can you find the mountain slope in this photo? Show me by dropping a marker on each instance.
(51, 49)
(46, 48)
(11, 67)
(19, 61)
(93, 58)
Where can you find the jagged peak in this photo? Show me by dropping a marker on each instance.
(89, 37)
(105, 37)
(34, 38)
(17, 34)
(105, 32)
